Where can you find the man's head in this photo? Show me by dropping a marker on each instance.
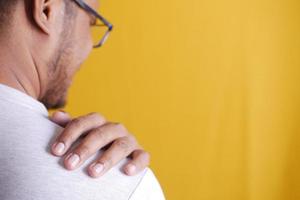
(56, 35)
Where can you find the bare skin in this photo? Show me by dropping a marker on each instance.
(42, 48)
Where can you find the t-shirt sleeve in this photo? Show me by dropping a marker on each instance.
(148, 188)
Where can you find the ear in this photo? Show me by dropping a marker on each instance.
(44, 13)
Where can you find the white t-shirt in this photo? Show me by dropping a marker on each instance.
(28, 171)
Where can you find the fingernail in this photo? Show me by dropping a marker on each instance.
(59, 148)
(74, 160)
(131, 168)
(97, 168)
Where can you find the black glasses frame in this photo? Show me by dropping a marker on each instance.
(90, 10)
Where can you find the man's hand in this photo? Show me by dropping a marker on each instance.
(97, 133)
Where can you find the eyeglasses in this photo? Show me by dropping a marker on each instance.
(98, 23)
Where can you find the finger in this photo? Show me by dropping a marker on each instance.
(140, 160)
(94, 141)
(119, 150)
(61, 118)
(75, 128)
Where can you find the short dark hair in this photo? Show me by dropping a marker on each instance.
(6, 9)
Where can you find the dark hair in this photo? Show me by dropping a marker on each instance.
(6, 9)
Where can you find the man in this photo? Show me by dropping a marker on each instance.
(43, 43)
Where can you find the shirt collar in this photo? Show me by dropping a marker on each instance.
(13, 95)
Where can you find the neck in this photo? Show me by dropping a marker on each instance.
(18, 69)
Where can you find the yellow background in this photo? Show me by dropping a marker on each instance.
(209, 87)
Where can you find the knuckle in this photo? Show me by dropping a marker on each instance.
(121, 129)
(132, 138)
(120, 126)
(122, 144)
(98, 116)
(76, 123)
(98, 134)
(94, 114)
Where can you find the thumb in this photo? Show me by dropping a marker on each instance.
(61, 118)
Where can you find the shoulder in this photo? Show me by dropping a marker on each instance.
(148, 188)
